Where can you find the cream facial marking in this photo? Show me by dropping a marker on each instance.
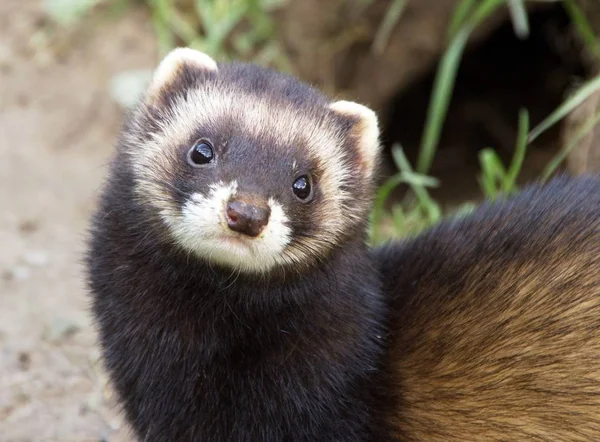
(202, 228)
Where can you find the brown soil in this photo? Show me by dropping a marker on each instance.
(57, 128)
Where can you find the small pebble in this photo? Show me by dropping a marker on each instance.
(28, 226)
(24, 359)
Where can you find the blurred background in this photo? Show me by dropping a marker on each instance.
(475, 97)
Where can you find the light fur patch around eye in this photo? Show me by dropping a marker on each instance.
(201, 228)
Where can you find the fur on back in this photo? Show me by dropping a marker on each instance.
(497, 321)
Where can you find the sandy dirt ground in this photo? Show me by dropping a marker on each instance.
(57, 130)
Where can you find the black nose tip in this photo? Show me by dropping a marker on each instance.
(246, 218)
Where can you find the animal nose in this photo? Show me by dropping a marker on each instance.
(246, 218)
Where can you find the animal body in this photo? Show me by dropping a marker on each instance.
(496, 320)
(236, 298)
(234, 294)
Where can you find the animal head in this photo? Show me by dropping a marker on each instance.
(249, 168)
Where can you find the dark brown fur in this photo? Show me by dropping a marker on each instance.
(198, 351)
(497, 321)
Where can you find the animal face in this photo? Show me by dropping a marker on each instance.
(249, 168)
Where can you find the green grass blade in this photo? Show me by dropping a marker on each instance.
(464, 209)
(170, 20)
(444, 84)
(493, 173)
(204, 11)
(390, 20)
(440, 100)
(415, 181)
(494, 165)
(420, 180)
(564, 109)
(160, 21)
(460, 15)
(381, 197)
(583, 26)
(518, 15)
(489, 189)
(519, 155)
(225, 26)
(399, 219)
(485, 9)
(562, 155)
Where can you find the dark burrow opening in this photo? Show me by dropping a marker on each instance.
(497, 77)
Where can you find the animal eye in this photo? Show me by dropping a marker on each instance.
(201, 153)
(302, 187)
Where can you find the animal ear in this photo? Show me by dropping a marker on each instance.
(180, 67)
(364, 129)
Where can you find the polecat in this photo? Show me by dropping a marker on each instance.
(233, 291)
(236, 298)
(495, 321)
